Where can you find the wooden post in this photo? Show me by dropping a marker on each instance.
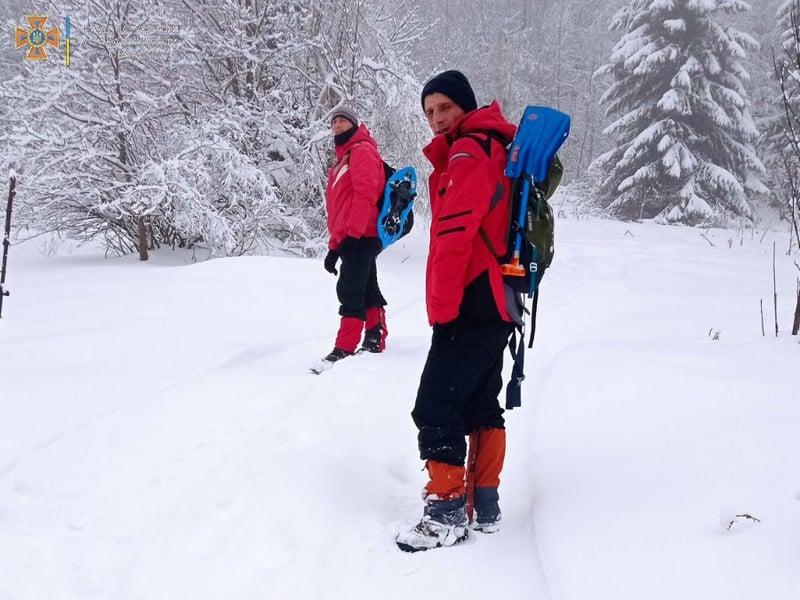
(796, 326)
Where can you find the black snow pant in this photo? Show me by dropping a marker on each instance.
(459, 388)
(357, 287)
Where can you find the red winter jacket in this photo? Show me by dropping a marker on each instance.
(354, 184)
(469, 192)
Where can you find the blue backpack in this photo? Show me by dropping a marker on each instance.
(396, 204)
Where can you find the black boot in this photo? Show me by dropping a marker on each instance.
(373, 340)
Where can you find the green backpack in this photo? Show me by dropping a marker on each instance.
(539, 236)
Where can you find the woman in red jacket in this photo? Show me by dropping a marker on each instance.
(471, 319)
(355, 183)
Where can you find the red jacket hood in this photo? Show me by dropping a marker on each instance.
(361, 135)
(486, 118)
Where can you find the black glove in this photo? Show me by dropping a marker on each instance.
(330, 262)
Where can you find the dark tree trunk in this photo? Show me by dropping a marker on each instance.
(142, 238)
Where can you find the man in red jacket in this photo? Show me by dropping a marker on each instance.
(467, 307)
(355, 183)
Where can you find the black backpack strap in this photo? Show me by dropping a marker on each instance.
(484, 142)
(534, 306)
(514, 386)
(495, 135)
(517, 351)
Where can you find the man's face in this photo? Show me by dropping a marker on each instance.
(340, 125)
(441, 112)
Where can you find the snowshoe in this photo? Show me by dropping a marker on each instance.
(429, 534)
(396, 216)
(444, 523)
(326, 363)
(488, 526)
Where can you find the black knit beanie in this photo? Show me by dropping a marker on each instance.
(455, 86)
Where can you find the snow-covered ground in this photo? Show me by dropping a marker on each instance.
(160, 437)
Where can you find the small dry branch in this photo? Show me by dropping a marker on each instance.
(774, 289)
(732, 522)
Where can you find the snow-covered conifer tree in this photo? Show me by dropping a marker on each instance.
(683, 133)
(782, 136)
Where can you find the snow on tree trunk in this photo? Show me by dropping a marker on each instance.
(683, 133)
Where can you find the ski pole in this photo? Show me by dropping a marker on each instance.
(12, 181)
(514, 269)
